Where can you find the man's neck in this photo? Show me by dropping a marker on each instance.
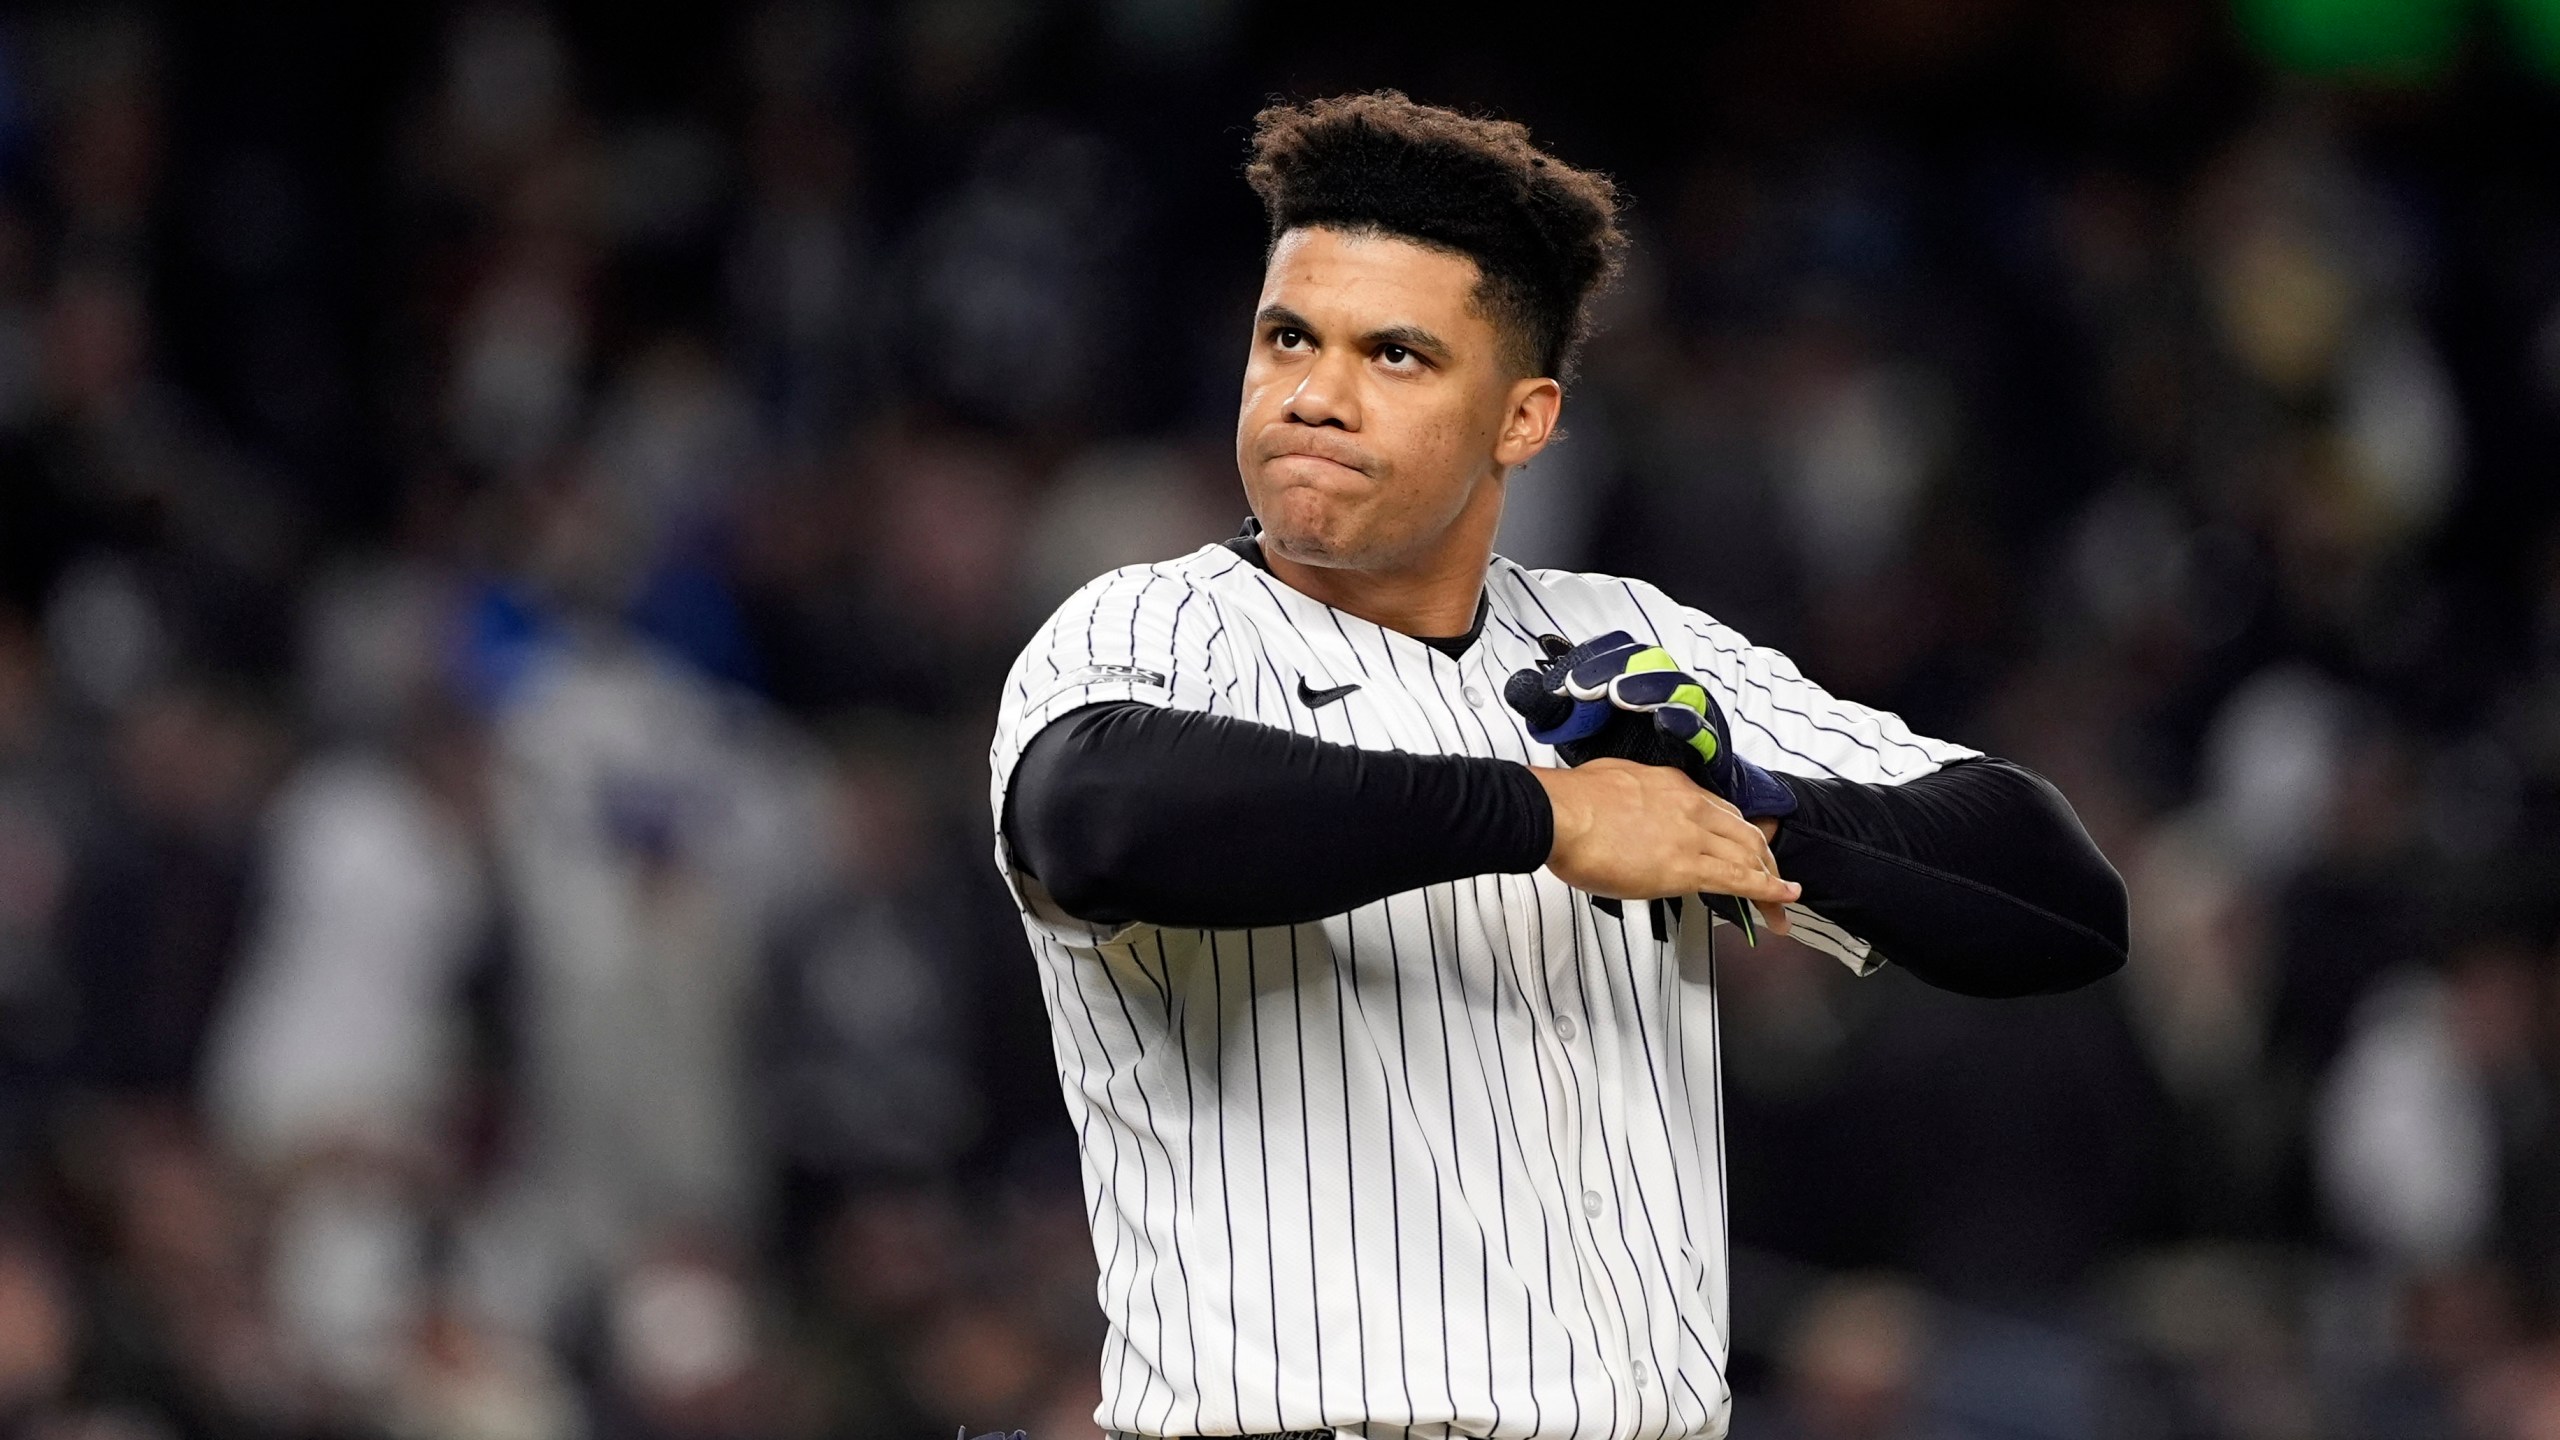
(1428, 602)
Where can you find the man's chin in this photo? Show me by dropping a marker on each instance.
(1306, 547)
(1299, 525)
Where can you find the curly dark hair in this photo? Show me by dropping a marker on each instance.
(1543, 234)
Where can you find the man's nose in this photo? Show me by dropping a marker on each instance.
(1327, 393)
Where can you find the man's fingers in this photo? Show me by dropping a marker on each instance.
(1748, 882)
(1742, 857)
(1739, 850)
(1774, 913)
(1719, 815)
(1741, 842)
(1768, 856)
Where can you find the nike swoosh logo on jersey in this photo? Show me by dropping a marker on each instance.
(1318, 699)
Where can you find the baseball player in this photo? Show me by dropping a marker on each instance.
(1374, 879)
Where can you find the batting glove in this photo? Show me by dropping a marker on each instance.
(1611, 697)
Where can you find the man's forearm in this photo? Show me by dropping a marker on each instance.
(1135, 812)
(1977, 879)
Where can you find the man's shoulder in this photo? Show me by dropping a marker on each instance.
(1152, 580)
(1581, 603)
(1127, 626)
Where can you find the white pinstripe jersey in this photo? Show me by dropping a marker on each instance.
(1451, 1164)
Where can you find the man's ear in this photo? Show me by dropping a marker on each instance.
(1528, 420)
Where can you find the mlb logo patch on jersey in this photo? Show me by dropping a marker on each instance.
(1114, 680)
(1105, 674)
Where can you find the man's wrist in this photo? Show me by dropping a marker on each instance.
(1567, 816)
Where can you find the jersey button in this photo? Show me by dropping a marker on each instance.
(1564, 1028)
(1644, 1376)
(1474, 696)
(1591, 1203)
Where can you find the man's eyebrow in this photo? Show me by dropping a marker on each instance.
(1282, 315)
(1411, 337)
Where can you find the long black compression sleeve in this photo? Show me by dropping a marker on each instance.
(1977, 879)
(1133, 812)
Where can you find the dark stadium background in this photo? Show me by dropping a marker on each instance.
(510, 521)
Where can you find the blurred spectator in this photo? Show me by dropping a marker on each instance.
(650, 826)
(1854, 1363)
(159, 890)
(871, 1078)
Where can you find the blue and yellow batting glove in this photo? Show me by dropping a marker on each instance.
(1614, 697)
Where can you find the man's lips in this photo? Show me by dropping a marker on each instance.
(1339, 464)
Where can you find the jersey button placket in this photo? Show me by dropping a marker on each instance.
(1590, 1135)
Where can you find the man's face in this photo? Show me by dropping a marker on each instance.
(1376, 400)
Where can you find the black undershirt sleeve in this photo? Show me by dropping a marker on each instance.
(1129, 811)
(1977, 878)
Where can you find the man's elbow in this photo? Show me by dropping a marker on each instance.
(1078, 840)
(2096, 939)
(1089, 892)
(2018, 974)
(2014, 950)
(2090, 909)
(2082, 965)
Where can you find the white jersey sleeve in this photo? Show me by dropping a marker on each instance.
(1145, 633)
(1786, 723)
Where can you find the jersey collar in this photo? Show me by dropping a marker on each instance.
(1247, 542)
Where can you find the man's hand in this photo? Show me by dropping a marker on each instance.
(1647, 832)
(1613, 697)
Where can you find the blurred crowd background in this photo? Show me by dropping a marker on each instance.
(511, 521)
